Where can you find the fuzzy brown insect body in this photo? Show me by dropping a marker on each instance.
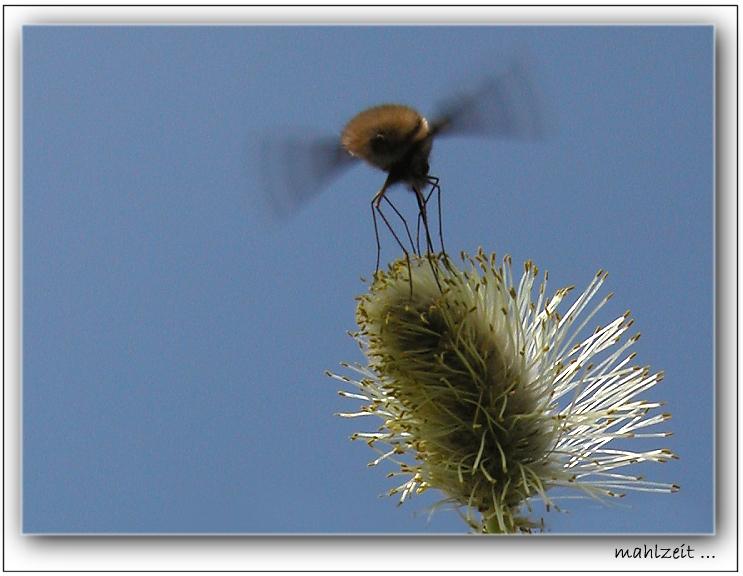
(393, 138)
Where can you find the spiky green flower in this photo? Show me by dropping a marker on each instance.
(484, 393)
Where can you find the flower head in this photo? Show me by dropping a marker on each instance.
(484, 393)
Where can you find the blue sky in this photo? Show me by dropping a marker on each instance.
(175, 336)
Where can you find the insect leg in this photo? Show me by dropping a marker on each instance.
(422, 213)
(374, 207)
(405, 222)
(376, 233)
(434, 182)
(378, 208)
(430, 254)
(418, 227)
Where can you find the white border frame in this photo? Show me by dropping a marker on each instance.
(571, 554)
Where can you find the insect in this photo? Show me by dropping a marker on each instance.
(398, 140)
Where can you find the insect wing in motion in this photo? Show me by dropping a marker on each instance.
(506, 106)
(294, 169)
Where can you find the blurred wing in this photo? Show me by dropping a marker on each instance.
(294, 169)
(507, 106)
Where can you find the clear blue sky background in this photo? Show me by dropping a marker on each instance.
(175, 337)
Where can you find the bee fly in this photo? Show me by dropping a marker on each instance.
(398, 140)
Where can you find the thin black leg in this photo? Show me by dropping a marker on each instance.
(405, 222)
(430, 254)
(407, 254)
(422, 212)
(420, 218)
(376, 234)
(434, 182)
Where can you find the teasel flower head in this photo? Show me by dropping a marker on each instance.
(485, 393)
